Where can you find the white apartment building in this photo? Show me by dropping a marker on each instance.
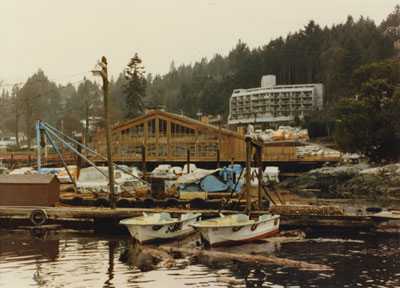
(273, 103)
(7, 141)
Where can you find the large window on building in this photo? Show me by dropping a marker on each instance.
(181, 149)
(162, 150)
(114, 149)
(151, 129)
(138, 132)
(162, 129)
(206, 136)
(115, 137)
(151, 150)
(103, 148)
(125, 135)
(207, 149)
(180, 132)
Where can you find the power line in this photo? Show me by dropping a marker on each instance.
(43, 94)
(45, 80)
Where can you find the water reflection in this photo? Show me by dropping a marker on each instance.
(134, 258)
(66, 259)
(28, 245)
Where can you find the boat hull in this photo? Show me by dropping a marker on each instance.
(239, 233)
(170, 230)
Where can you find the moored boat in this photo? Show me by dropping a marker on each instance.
(160, 226)
(237, 228)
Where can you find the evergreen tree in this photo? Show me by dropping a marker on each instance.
(135, 88)
(391, 25)
(368, 122)
(351, 60)
(313, 54)
(17, 109)
(41, 101)
(118, 107)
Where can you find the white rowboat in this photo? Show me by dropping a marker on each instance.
(237, 228)
(160, 226)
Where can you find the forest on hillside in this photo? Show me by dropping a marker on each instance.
(313, 54)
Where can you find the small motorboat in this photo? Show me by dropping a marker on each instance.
(91, 179)
(160, 226)
(237, 228)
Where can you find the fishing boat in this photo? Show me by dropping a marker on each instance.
(160, 226)
(237, 228)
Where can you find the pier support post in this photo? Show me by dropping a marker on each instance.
(248, 175)
(78, 159)
(144, 161)
(260, 178)
(188, 161)
(104, 75)
(38, 145)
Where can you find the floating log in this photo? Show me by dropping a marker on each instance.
(251, 258)
(231, 281)
(321, 210)
(285, 236)
(46, 227)
(293, 233)
(167, 260)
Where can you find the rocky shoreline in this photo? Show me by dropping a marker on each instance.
(360, 181)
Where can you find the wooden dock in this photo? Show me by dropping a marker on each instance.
(84, 213)
(101, 215)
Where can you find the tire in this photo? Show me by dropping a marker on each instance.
(78, 201)
(137, 203)
(102, 202)
(149, 203)
(197, 203)
(172, 202)
(38, 217)
(125, 203)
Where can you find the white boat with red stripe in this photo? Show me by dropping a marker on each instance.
(237, 228)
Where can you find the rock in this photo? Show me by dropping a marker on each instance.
(357, 181)
(393, 193)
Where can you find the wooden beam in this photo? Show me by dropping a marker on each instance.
(251, 258)
(248, 176)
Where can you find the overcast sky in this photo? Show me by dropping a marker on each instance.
(67, 37)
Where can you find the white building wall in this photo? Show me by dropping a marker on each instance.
(274, 103)
(268, 81)
(7, 141)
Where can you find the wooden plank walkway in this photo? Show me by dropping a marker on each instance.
(102, 214)
(96, 212)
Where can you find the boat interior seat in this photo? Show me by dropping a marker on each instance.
(242, 218)
(187, 215)
(164, 216)
(265, 217)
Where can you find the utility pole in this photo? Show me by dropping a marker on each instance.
(104, 75)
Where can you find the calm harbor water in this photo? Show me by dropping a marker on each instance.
(71, 259)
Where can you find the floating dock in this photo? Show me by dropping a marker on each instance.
(99, 216)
